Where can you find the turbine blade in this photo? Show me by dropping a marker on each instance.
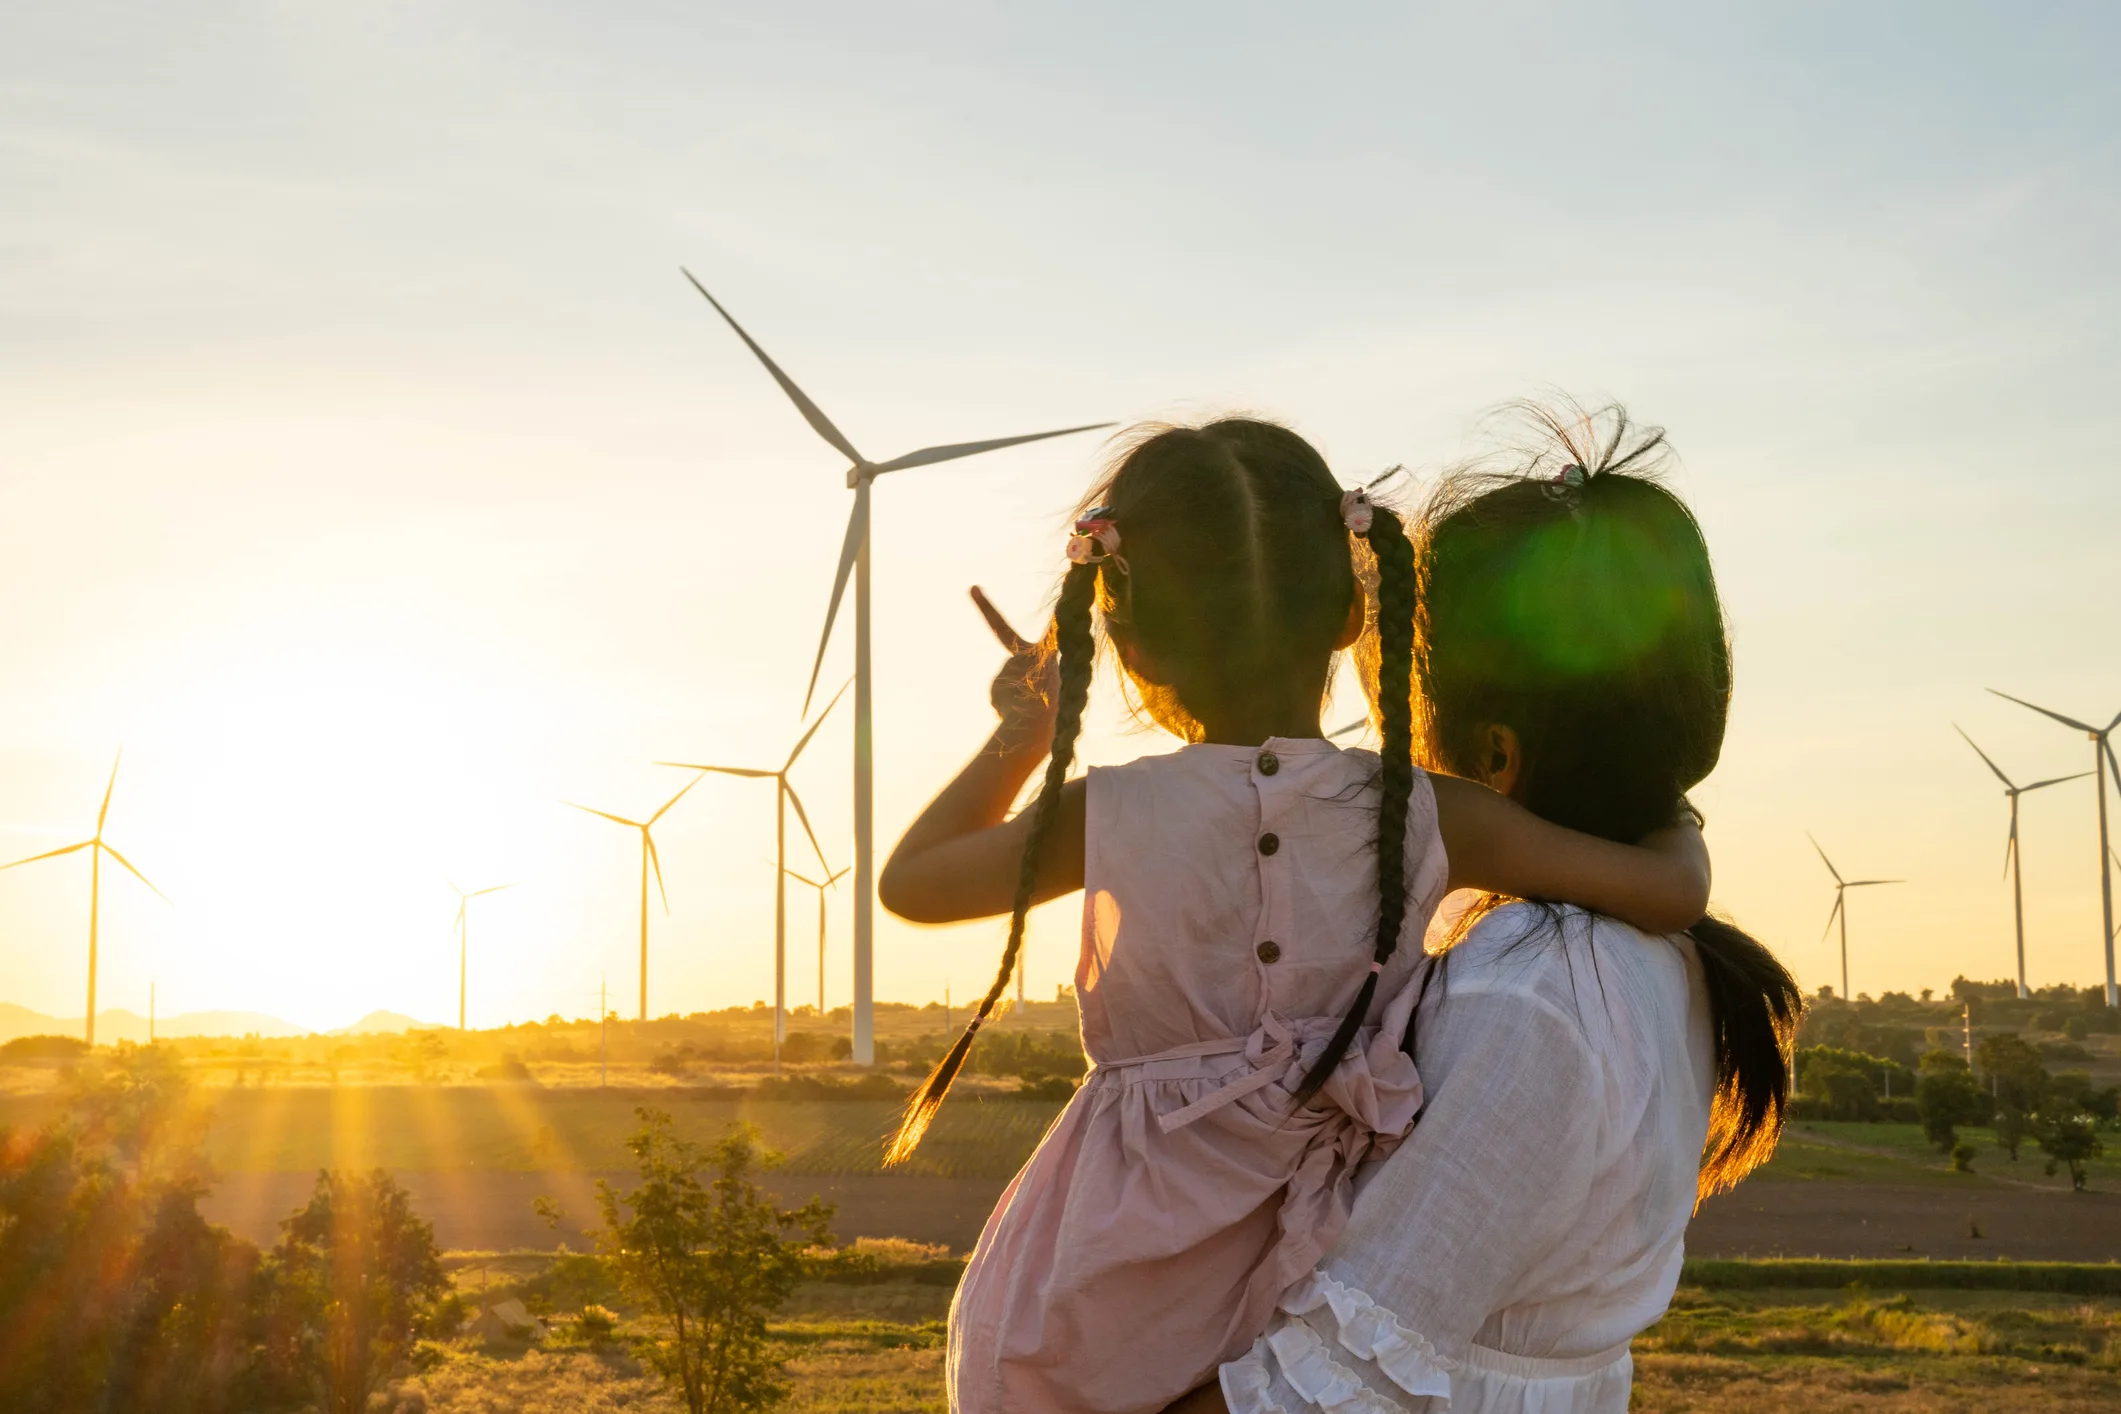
(656, 860)
(2010, 846)
(804, 816)
(839, 876)
(674, 799)
(1863, 883)
(745, 771)
(1824, 860)
(819, 423)
(1984, 756)
(48, 854)
(804, 878)
(2065, 721)
(132, 871)
(2113, 766)
(494, 890)
(1348, 728)
(1831, 917)
(2055, 781)
(816, 724)
(605, 814)
(104, 809)
(951, 451)
(458, 926)
(857, 529)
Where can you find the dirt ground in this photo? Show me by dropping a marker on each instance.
(492, 1212)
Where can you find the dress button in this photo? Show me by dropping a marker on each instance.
(1269, 842)
(1269, 763)
(1269, 951)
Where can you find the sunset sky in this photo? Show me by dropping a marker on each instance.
(369, 473)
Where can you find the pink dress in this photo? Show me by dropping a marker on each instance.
(1229, 914)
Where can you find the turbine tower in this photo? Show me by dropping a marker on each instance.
(1841, 888)
(854, 559)
(648, 861)
(2102, 755)
(463, 932)
(783, 796)
(97, 847)
(830, 881)
(2011, 860)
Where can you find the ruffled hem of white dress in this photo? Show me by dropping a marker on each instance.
(1294, 1357)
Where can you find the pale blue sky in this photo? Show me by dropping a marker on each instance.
(372, 475)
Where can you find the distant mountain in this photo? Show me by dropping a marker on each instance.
(120, 1025)
(387, 1023)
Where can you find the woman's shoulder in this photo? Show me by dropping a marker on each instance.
(1560, 951)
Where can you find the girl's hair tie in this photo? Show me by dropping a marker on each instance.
(1096, 540)
(1356, 512)
(1377, 967)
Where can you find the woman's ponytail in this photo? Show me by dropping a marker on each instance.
(1754, 1008)
(1078, 661)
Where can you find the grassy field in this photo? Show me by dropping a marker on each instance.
(1737, 1339)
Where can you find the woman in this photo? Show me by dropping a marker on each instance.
(1586, 1082)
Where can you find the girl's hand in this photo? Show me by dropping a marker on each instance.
(1026, 692)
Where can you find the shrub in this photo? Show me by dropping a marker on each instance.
(29, 1049)
(353, 1281)
(714, 1258)
(596, 1322)
(1963, 1158)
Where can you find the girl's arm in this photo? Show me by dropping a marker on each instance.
(1660, 885)
(960, 859)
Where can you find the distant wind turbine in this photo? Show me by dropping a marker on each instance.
(1841, 888)
(783, 796)
(97, 848)
(2012, 864)
(830, 881)
(648, 861)
(854, 559)
(463, 932)
(2102, 755)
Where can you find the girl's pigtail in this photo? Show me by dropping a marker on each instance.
(1395, 669)
(1078, 661)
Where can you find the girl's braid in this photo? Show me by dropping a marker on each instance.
(1395, 668)
(1078, 662)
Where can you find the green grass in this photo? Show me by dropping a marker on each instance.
(1833, 1151)
(1816, 1337)
(1818, 1274)
(423, 1129)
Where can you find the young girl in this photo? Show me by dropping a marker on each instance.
(1254, 905)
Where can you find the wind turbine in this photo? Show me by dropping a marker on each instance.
(783, 796)
(1841, 888)
(830, 881)
(2102, 754)
(648, 861)
(2012, 864)
(463, 932)
(96, 848)
(854, 559)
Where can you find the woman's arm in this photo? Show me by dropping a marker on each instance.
(1660, 885)
(961, 857)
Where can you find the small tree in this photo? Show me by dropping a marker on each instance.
(2013, 1127)
(1946, 1097)
(713, 1257)
(2070, 1141)
(2015, 1070)
(350, 1285)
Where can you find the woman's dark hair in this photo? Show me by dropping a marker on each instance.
(1571, 599)
(1235, 567)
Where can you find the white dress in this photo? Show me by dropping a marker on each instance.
(1533, 1223)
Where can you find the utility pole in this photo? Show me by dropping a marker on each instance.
(150, 1013)
(604, 1037)
(1966, 1020)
